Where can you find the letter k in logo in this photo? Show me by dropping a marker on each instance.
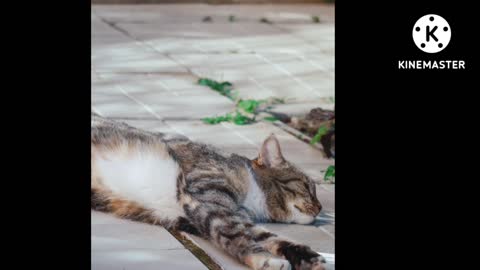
(431, 33)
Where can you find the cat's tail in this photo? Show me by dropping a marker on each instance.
(106, 202)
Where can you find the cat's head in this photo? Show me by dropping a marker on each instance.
(290, 194)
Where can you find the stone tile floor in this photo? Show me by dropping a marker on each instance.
(146, 60)
(122, 244)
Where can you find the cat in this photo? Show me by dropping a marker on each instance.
(192, 187)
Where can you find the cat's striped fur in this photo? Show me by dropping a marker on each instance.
(192, 187)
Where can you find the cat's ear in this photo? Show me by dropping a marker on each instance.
(270, 153)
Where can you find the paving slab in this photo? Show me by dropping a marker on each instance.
(117, 105)
(261, 59)
(195, 12)
(163, 96)
(122, 244)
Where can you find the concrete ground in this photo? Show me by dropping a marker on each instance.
(145, 63)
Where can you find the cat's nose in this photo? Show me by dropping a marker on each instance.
(319, 207)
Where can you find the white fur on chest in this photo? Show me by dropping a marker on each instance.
(143, 177)
(255, 200)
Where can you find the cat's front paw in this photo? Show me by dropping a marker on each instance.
(315, 263)
(301, 257)
(277, 264)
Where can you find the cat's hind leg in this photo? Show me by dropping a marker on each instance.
(182, 224)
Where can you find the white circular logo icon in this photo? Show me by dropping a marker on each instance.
(431, 33)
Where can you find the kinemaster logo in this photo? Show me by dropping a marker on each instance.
(431, 34)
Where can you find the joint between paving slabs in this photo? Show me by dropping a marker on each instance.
(199, 253)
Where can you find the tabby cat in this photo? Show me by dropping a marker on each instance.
(191, 187)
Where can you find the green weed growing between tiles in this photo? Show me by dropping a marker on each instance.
(246, 110)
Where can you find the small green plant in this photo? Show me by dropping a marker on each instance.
(224, 88)
(250, 105)
(329, 173)
(278, 101)
(231, 18)
(315, 19)
(237, 118)
(322, 130)
(270, 118)
(246, 110)
(240, 119)
(217, 120)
